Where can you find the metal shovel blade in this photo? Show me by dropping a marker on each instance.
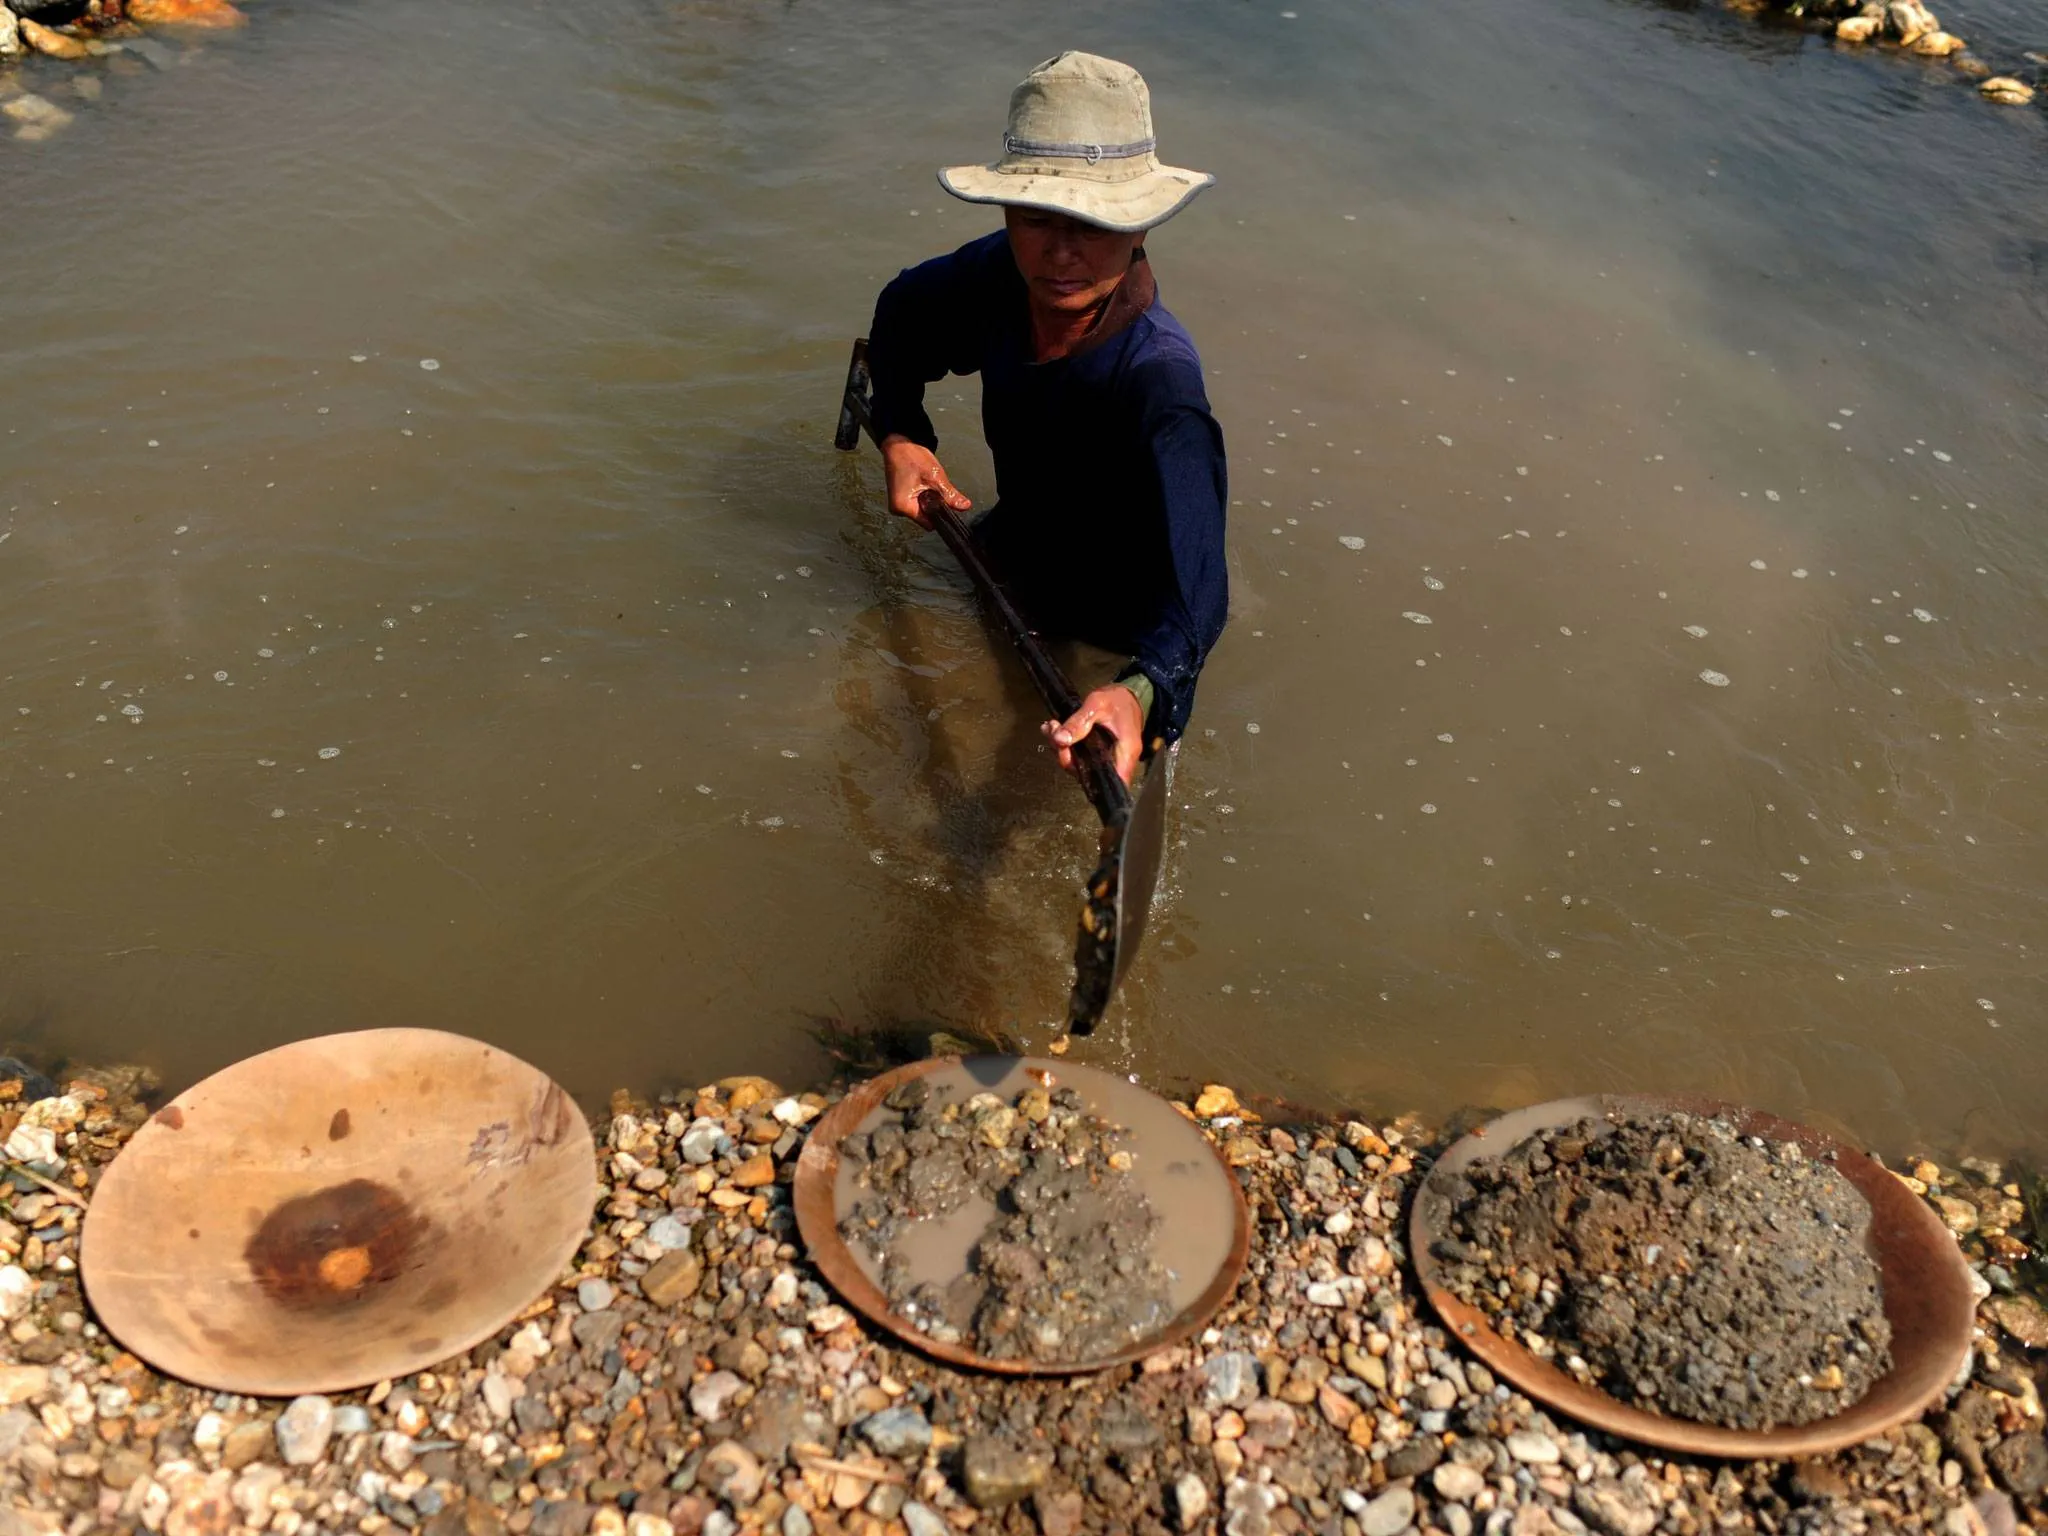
(1119, 899)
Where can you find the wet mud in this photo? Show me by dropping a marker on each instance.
(1060, 1263)
(1679, 1266)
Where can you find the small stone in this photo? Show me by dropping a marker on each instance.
(795, 1522)
(303, 1430)
(667, 1234)
(743, 1093)
(700, 1143)
(1908, 20)
(720, 1523)
(2020, 1463)
(246, 1443)
(1214, 1100)
(641, 1524)
(1230, 1380)
(998, 1472)
(902, 1432)
(1959, 1216)
(185, 13)
(1270, 1423)
(672, 1278)
(1534, 1450)
(22, 1383)
(1190, 1500)
(497, 1395)
(1419, 1456)
(1059, 1514)
(2021, 1316)
(1440, 1395)
(1458, 1483)
(730, 1471)
(11, 45)
(351, 1419)
(1617, 1508)
(1938, 45)
(920, 1520)
(754, 1172)
(711, 1398)
(1325, 1293)
(57, 46)
(593, 1295)
(560, 1517)
(17, 1290)
(829, 1319)
(2006, 91)
(1389, 1514)
(1858, 29)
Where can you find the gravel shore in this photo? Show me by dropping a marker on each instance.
(693, 1374)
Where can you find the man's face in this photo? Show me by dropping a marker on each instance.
(1068, 266)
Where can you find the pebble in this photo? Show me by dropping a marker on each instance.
(711, 1398)
(997, 1472)
(667, 1234)
(1458, 1483)
(1230, 1380)
(731, 1472)
(351, 1419)
(902, 1432)
(921, 1521)
(303, 1430)
(700, 1143)
(593, 1295)
(1190, 1500)
(1389, 1514)
(672, 1278)
(1533, 1449)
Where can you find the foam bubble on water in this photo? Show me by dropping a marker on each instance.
(1565, 630)
(788, 752)
(1772, 496)
(220, 677)
(278, 814)
(1758, 565)
(1350, 541)
(1428, 809)
(1433, 583)
(1856, 853)
(1844, 410)
(1893, 640)
(1714, 679)
(430, 364)
(703, 789)
(1788, 875)
(1943, 457)
(1799, 573)
(359, 357)
(1697, 631)
(265, 652)
(1779, 912)
(1444, 440)
(1987, 1005)
(1923, 615)
(1251, 727)
(328, 754)
(132, 711)
(1445, 736)
(771, 821)
(1417, 618)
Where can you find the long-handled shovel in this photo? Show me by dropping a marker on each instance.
(1119, 894)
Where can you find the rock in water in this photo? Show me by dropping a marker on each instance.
(1858, 29)
(303, 1430)
(2006, 91)
(11, 46)
(185, 13)
(55, 44)
(998, 1473)
(1938, 45)
(1908, 20)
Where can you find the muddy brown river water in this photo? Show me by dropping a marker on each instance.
(429, 595)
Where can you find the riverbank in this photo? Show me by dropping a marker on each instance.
(693, 1374)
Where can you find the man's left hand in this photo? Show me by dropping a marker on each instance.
(1115, 709)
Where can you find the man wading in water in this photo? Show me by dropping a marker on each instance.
(1109, 467)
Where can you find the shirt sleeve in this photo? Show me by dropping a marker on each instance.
(930, 321)
(1186, 450)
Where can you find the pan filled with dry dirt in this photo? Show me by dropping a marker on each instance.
(1693, 1275)
(1021, 1215)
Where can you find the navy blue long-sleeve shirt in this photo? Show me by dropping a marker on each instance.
(1109, 465)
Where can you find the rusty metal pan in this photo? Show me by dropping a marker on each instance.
(338, 1211)
(817, 1204)
(1926, 1289)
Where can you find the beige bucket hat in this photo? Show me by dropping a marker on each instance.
(1080, 142)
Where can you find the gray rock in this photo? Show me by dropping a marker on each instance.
(1418, 1457)
(351, 1419)
(1619, 1509)
(1270, 1423)
(719, 1523)
(11, 47)
(1457, 1483)
(2020, 1463)
(596, 1332)
(711, 1398)
(731, 1472)
(667, 1234)
(1457, 1520)
(922, 1521)
(533, 1415)
(999, 1472)
(303, 1430)
(593, 1295)
(1230, 1380)
(1190, 1500)
(702, 1141)
(902, 1432)
(1389, 1514)
(784, 1416)
(795, 1522)
(1527, 1446)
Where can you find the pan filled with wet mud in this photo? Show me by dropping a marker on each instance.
(1021, 1215)
(1693, 1275)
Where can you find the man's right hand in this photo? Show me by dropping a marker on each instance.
(913, 469)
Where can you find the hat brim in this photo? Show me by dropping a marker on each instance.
(1128, 207)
